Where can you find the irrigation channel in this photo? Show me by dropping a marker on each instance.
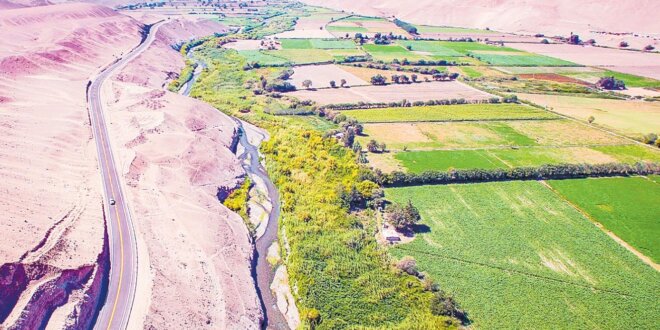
(262, 272)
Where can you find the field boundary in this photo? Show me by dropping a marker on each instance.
(450, 120)
(600, 226)
(508, 270)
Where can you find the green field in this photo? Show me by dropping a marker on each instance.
(521, 60)
(467, 47)
(629, 79)
(388, 53)
(442, 160)
(317, 44)
(516, 256)
(626, 206)
(302, 56)
(263, 58)
(449, 113)
(433, 47)
(630, 153)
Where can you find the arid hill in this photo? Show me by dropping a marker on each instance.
(558, 17)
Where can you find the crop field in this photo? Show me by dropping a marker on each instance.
(448, 29)
(524, 59)
(317, 44)
(369, 24)
(517, 256)
(388, 53)
(321, 75)
(432, 47)
(449, 113)
(346, 29)
(630, 118)
(263, 58)
(626, 206)
(394, 93)
(467, 135)
(547, 69)
(302, 56)
(523, 156)
(467, 47)
(312, 26)
(629, 79)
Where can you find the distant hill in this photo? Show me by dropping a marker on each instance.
(552, 17)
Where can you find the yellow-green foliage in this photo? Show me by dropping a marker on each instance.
(237, 200)
(186, 74)
(335, 265)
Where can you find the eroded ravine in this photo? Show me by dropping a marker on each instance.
(262, 272)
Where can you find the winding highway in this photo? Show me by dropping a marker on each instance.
(116, 310)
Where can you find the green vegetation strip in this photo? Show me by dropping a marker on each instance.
(334, 262)
(516, 256)
(626, 206)
(463, 112)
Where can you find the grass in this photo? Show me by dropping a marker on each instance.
(263, 58)
(626, 206)
(522, 60)
(629, 79)
(471, 72)
(516, 256)
(433, 47)
(442, 160)
(449, 113)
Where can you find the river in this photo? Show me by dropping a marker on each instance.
(262, 272)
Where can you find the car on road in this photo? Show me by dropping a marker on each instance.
(112, 201)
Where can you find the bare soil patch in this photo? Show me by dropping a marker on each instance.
(321, 75)
(393, 93)
(554, 77)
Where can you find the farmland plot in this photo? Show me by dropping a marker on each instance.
(628, 117)
(464, 112)
(321, 75)
(626, 206)
(394, 93)
(388, 53)
(516, 256)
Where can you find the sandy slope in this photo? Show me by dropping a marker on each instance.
(175, 152)
(48, 170)
(194, 253)
(530, 16)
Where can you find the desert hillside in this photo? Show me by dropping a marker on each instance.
(526, 16)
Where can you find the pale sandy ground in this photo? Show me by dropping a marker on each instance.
(632, 62)
(632, 118)
(393, 93)
(320, 76)
(193, 252)
(286, 303)
(175, 154)
(556, 17)
(244, 45)
(311, 27)
(48, 169)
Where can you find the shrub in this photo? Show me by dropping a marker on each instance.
(623, 44)
(591, 119)
(545, 41)
(333, 84)
(649, 48)
(408, 264)
(406, 26)
(611, 83)
(650, 138)
(444, 305)
(378, 80)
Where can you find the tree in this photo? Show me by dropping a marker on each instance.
(591, 119)
(414, 78)
(650, 138)
(333, 84)
(402, 217)
(545, 41)
(408, 264)
(357, 147)
(444, 305)
(623, 44)
(372, 146)
(611, 83)
(378, 80)
(348, 138)
(396, 78)
(313, 318)
(649, 48)
(343, 83)
(574, 39)
(307, 83)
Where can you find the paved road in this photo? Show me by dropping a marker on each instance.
(123, 249)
